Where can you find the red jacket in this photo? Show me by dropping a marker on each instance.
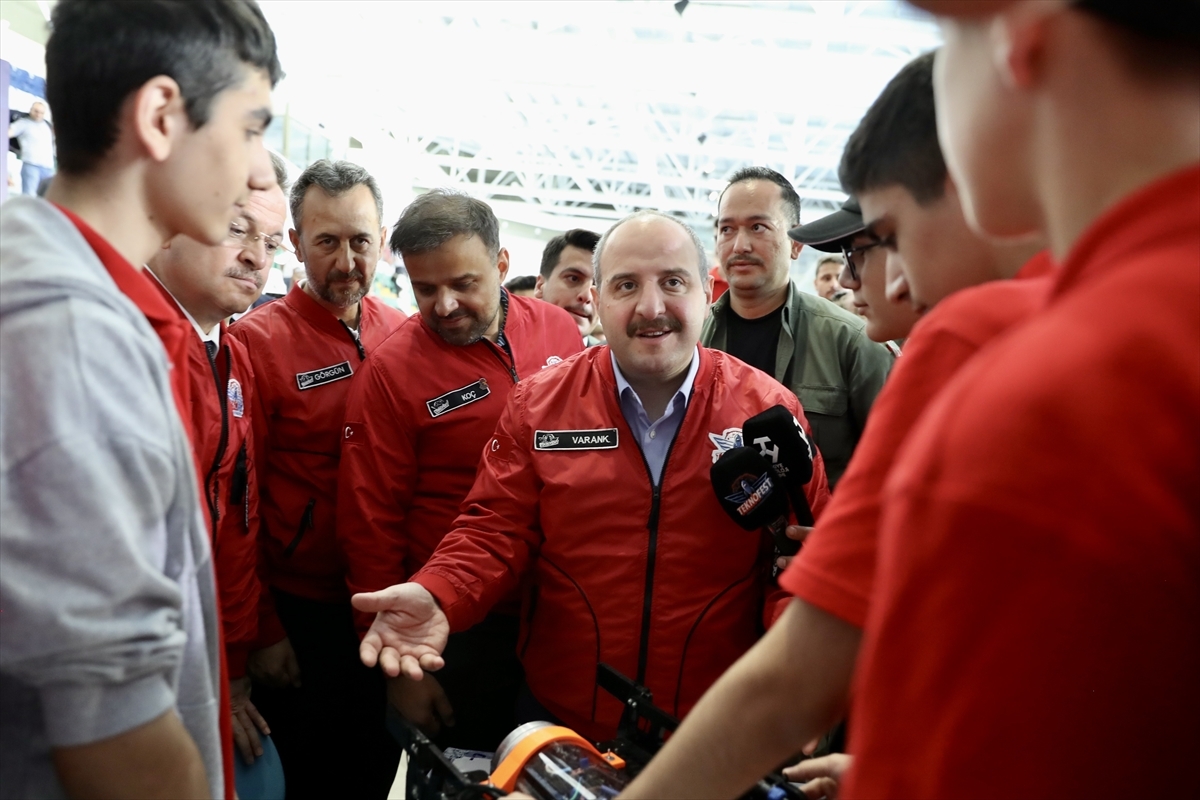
(661, 585)
(219, 405)
(416, 420)
(303, 358)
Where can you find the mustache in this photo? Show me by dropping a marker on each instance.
(246, 274)
(744, 260)
(339, 276)
(670, 324)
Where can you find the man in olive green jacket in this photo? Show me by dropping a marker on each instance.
(808, 344)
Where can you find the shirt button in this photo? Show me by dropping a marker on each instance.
(651, 433)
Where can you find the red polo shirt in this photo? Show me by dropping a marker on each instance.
(176, 334)
(1035, 626)
(836, 567)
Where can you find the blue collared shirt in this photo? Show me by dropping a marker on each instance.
(654, 438)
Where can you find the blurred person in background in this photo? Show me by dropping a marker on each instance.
(112, 675)
(306, 350)
(566, 279)
(36, 137)
(522, 285)
(825, 276)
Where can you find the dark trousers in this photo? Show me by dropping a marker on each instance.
(481, 679)
(330, 732)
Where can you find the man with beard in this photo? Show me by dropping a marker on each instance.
(210, 283)
(305, 349)
(417, 420)
(816, 349)
(594, 492)
(566, 279)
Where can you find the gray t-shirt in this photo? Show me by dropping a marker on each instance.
(37, 141)
(106, 576)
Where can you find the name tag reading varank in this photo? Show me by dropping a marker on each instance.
(600, 439)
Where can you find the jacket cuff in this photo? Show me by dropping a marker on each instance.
(75, 714)
(447, 596)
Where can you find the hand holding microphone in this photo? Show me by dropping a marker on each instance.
(748, 490)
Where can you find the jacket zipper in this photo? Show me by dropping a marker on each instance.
(306, 522)
(212, 485)
(354, 335)
(652, 556)
(239, 493)
(511, 367)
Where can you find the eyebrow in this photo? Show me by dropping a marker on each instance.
(672, 272)
(751, 218)
(263, 114)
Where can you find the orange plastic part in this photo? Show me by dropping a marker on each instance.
(614, 760)
(506, 773)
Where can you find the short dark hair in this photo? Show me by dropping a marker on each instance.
(521, 283)
(280, 167)
(829, 258)
(576, 237)
(896, 142)
(791, 200)
(335, 178)
(438, 216)
(101, 51)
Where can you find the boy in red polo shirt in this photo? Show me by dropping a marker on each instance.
(111, 661)
(1037, 606)
(795, 684)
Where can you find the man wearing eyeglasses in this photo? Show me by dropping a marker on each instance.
(210, 283)
(817, 350)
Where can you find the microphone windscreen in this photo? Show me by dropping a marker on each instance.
(747, 489)
(777, 436)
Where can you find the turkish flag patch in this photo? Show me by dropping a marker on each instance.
(354, 433)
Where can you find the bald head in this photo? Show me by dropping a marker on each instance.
(638, 224)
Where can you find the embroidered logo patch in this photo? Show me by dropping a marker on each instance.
(237, 404)
(322, 376)
(599, 439)
(552, 360)
(458, 398)
(729, 439)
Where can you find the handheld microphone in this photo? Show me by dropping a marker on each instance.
(749, 492)
(780, 440)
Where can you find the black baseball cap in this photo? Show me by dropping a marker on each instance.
(827, 233)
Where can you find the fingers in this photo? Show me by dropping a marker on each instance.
(798, 532)
(257, 719)
(368, 651)
(783, 561)
(830, 766)
(241, 740)
(384, 600)
(410, 667)
(430, 662)
(826, 788)
(811, 747)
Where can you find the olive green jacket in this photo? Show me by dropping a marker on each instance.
(826, 359)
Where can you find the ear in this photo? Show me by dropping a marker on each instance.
(294, 235)
(1018, 38)
(502, 263)
(158, 117)
(537, 287)
(796, 248)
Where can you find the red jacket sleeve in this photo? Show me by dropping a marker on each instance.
(497, 536)
(376, 476)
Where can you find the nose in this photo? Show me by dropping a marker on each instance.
(445, 303)
(741, 242)
(650, 303)
(583, 295)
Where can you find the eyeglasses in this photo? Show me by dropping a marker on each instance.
(855, 256)
(240, 237)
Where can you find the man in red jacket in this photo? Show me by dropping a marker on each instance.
(416, 422)
(595, 490)
(305, 349)
(209, 283)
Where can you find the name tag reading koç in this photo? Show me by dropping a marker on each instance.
(599, 439)
(458, 398)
